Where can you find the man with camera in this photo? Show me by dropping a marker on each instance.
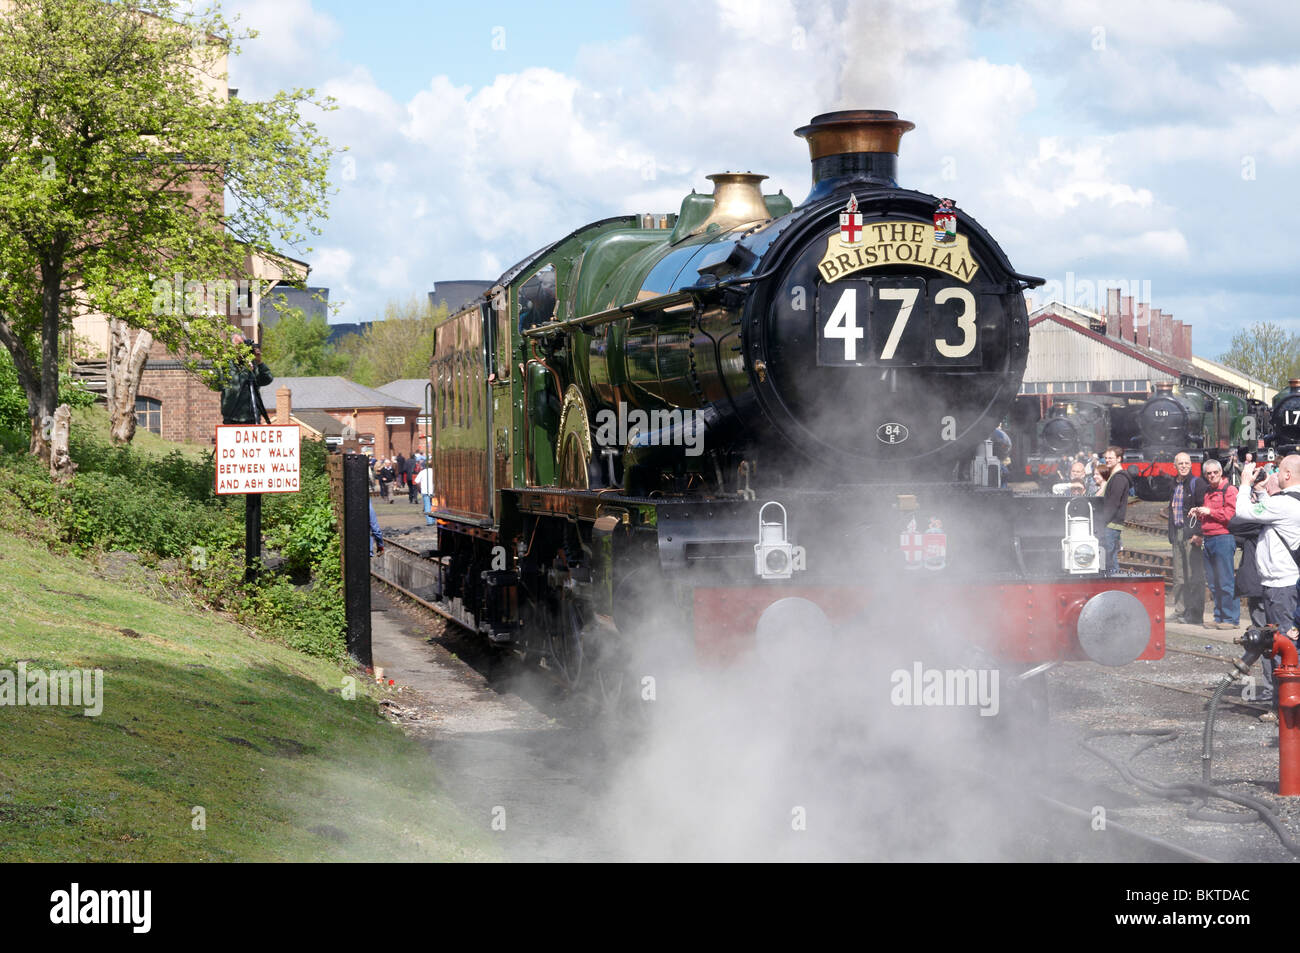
(1274, 502)
(241, 383)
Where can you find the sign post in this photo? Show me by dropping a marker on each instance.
(350, 493)
(253, 459)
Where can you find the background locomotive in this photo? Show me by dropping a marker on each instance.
(1072, 426)
(703, 430)
(1185, 418)
(1284, 430)
(1175, 419)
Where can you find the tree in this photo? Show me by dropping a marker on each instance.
(1265, 351)
(399, 346)
(297, 347)
(117, 159)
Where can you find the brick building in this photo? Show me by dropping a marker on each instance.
(383, 423)
(412, 391)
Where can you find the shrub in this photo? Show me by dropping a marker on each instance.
(163, 507)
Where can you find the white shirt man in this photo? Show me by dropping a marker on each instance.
(1280, 514)
(424, 483)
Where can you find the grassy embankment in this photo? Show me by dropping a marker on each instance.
(197, 712)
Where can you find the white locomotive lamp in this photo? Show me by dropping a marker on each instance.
(774, 556)
(1080, 552)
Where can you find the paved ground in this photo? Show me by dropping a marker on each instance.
(1170, 695)
(398, 513)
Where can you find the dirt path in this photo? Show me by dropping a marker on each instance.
(508, 750)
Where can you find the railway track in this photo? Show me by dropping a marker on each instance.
(1136, 560)
(1145, 526)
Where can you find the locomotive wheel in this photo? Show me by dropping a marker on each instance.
(573, 447)
(573, 466)
(567, 653)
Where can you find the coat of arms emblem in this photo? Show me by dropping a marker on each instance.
(935, 545)
(945, 223)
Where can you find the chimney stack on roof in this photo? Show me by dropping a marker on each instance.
(1139, 323)
(283, 406)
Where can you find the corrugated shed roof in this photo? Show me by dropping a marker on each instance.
(329, 393)
(409, 390)
(1161, 361)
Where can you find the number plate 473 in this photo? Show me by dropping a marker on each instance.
(896, 322)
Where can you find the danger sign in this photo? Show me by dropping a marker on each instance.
(257, 459)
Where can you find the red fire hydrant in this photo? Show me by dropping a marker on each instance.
(1288, 710)
(1259, 640)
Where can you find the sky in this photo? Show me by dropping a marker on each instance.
(1153, 143)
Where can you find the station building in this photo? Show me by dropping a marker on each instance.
(345, 414)
(1120, 354)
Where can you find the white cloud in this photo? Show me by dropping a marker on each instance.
(1107, 160)
(294, 41)
(1277, 85)
(1149, 23)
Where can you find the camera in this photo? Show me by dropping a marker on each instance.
(1260, 476)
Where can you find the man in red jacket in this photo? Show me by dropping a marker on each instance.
(1220, 546)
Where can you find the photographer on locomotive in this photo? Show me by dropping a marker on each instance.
(1114, 506)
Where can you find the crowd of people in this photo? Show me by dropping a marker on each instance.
(391, 476)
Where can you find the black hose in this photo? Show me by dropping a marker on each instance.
(1207, 737)
(1189, 792)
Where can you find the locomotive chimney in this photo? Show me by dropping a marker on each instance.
(1294, 383)
(1164, 387)
(853, 145)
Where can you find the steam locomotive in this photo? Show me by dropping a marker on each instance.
(1175, 419)
(1071, 426)
(728, 430)
(1284, 433)
(1185, 418)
